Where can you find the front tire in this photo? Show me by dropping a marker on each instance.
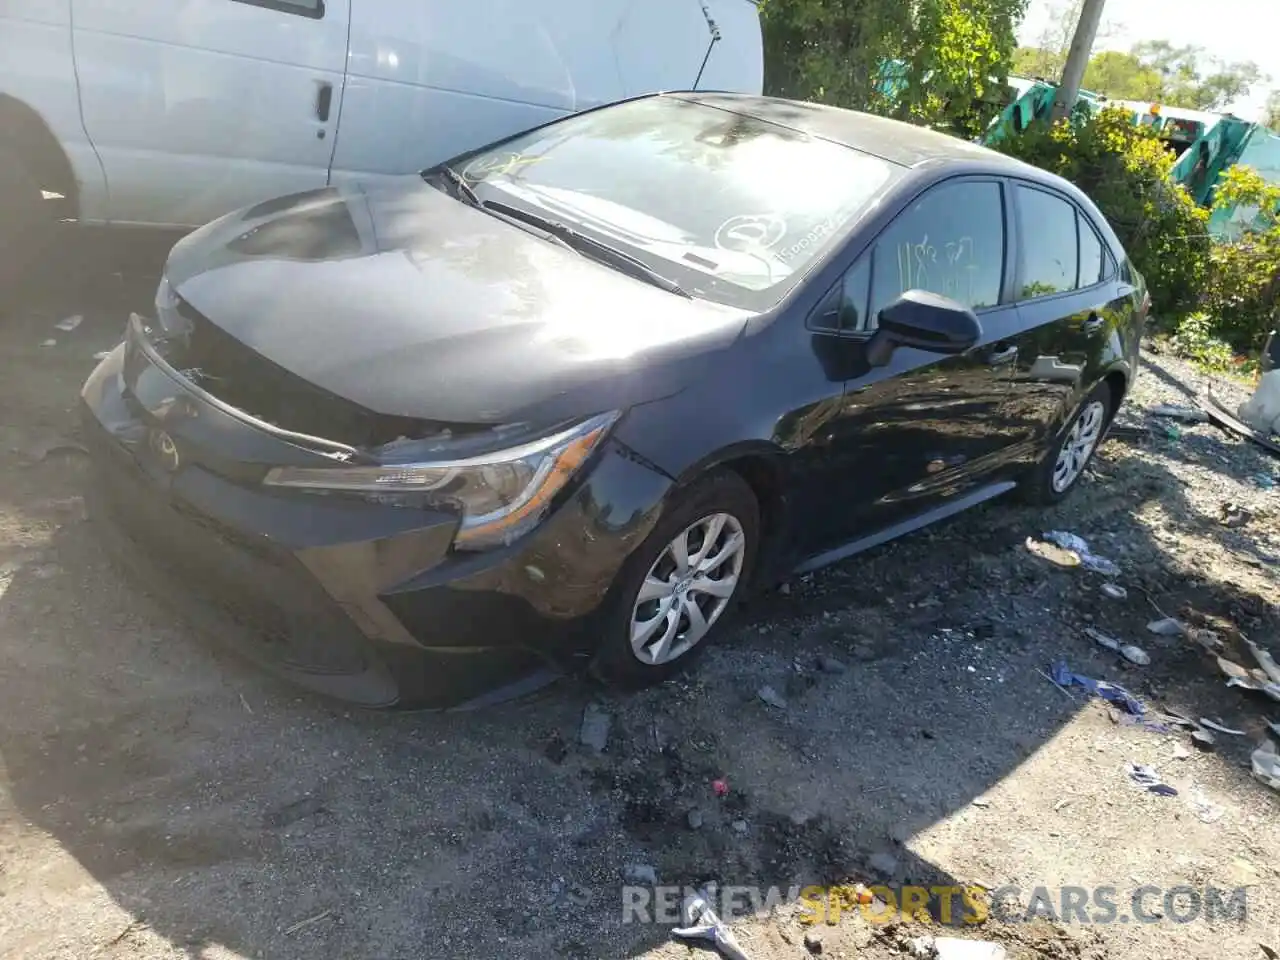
(1060, 471)
(679, 586)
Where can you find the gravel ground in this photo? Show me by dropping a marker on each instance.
(160, 799)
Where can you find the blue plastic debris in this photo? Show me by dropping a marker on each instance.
(1111, 692)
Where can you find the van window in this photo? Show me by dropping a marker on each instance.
(731, 207)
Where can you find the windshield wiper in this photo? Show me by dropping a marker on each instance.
(460, 185)
(589, 245)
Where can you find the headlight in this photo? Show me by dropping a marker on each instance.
(500, 495)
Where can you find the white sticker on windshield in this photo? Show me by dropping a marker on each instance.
(751, 233)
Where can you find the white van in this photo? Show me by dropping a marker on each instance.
(172, 112)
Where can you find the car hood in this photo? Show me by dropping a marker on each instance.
(410, 303)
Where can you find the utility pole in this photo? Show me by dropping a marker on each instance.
(1078, 57)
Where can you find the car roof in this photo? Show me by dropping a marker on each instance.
(891, 140)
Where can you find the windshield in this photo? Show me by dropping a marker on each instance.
(731, 208)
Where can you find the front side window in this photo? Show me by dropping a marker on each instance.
(950, 241)
(1047, 234)
(730, 207)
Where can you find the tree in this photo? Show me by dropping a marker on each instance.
(1272, 117)
(1185, 81)
(1123, 76)
(930, 61)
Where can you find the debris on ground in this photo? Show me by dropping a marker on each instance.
(1080, 547)
(1178, 412)
(771, 696)
(1205, 809)
(720, 788)
(1212, 725)
(1115, 591)
(102, 354)
(1266, 765)
(1168, 627)
(701, 923)
(1147, 778)
(1052, 553)
(594, 733)
(1111, 692)
(1130, 652)
(1223, 416)
(1268, 665)
(953, 948)
(49, 343)
(1233, 516)
(1203, 738)
(67, 324)
(303, 924)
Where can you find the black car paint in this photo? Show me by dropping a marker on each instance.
(344, 287)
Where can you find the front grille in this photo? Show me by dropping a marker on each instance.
(220, 364)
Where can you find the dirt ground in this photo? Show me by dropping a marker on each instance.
(158, 798)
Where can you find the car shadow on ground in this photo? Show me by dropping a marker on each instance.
(217, 807)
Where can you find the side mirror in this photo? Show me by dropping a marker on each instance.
(923, 321)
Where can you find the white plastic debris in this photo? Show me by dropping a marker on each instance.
(1268, 665)
(771, 696)
(70, 323)
(1179, 412)
(1220, 728)
(1266, 765)
(1262, 410)
(1127, 650)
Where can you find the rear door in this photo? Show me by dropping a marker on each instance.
(925, 428)
(1072, 305)
(197, 107)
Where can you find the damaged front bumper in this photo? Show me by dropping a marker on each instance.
(363, 601)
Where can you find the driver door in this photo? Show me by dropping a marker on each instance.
(926, 429)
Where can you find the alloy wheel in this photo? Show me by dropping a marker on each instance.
(687, 589)
(1078, 445)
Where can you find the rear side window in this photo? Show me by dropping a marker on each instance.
(1050, 252)
(950, 241)
(1093, 261)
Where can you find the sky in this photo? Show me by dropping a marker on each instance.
(1229, 30)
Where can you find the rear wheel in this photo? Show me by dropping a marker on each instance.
(1061, 469)
(681, 584)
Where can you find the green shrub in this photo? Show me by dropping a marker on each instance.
(1125, 170)
(1195, 337)
(1242, 291)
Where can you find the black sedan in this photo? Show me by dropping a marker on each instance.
(563, 401)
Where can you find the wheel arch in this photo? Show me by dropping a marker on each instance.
(25, 131)
(761, 466)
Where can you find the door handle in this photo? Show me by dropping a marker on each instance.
(1000, 355)
(324, 98)
(1093, 324)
